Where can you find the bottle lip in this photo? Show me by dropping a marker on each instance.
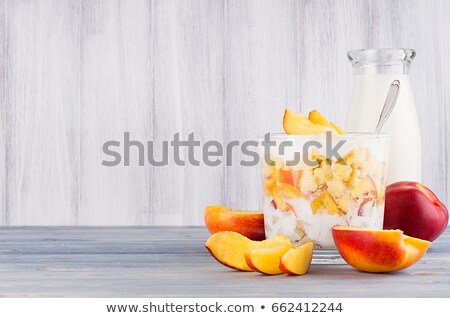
(387, 56)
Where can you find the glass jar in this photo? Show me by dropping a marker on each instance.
(308, 189)
(374, 70)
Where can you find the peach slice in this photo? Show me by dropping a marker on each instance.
(297, 260)
(288, 177)
(338, 129)
(279, 192)
(318, 118)
(268, 185)
(266, 260)
(281, 185)
(377, 251)
(247, 223)
(325, 202)
(229, 248)
(278, 199)
(288, 191)
(297, 124)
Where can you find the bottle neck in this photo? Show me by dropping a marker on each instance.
(387, 69)
(381, 61)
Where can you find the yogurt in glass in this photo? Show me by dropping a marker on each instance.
(307, 191)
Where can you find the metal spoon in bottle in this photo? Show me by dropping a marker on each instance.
(389, 104)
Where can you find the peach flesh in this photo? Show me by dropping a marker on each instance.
(247, 223)
(297, 260)
(266, 260)
(378, 250)
(229, 248)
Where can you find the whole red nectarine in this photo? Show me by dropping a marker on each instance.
(414, 209)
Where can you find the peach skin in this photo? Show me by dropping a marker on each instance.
(297, 124)
(317, 118)
(414, 209)
(247, 223)
(378, 251)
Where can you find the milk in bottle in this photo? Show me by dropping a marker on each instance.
(374, 70)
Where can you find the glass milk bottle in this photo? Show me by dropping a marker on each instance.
(373, 72)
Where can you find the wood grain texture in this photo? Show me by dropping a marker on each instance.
(4, 218)
(188, 86)
(444, 101)
(172, 262)
(41, 112)
(116, 95)
(75, 74)
(261, 79)
(328, 30)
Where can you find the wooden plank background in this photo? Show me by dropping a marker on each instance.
(76, 73)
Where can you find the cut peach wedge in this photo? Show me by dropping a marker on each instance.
(377, 251)
(247, 223)
(266, 260)
(281, 185)
(229, 248)
(325, 202)
(288, 191)
(297, 260)
(288, 177)
(338, 129)
(318, 118)
(297, 124)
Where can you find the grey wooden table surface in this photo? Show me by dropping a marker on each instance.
(172, 262)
